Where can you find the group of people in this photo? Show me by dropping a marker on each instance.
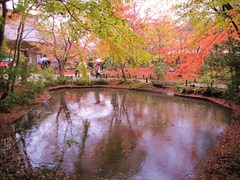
(46, 63)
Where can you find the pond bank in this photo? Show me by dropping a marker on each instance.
(222, 162)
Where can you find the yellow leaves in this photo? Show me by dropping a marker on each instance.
(104, 49)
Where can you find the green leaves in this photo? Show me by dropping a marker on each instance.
(202, 14)
(71, 142)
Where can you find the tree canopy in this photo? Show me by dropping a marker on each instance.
(204, 15)
(100, 19)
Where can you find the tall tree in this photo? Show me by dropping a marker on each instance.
(125, 44)
(3, 4)
(206, 23)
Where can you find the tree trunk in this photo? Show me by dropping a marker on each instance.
(2, 24)
(61, 68)
(17, 52)
(122, 67)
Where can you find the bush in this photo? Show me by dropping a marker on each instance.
(48, 74)
(82, 83)
(100, 82)
(37, 86)
(122, 81)
(160, 69)
(181, 89)
(200, 91)
(137, 84)
(64, 80)
(231, 96)
(51, 83)
(17, 98)
(206, 79)
(188, 90)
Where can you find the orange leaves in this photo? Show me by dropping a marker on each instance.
(13, 17)
(187, 51)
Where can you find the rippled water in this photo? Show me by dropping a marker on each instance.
(120, 133)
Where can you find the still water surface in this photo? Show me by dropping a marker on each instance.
(119, 133)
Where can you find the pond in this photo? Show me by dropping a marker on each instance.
(106, 133)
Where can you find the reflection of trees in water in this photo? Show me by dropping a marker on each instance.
(97, 97)
(63, 107)
(123, 115)
(61, 151)
(86, 125)
(14, 159)
(116, 153)
(78, 165)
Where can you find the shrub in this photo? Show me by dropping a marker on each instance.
(51, 83)
(181, 89)
(48, 74)
(37, 86)
(206, 79)
(82, 82)
(231, 96)
(135, 84)
(64, 80)
(198, 91)
(160, 69)
(121, 81)
(17, 98)
(100, 82)
(213, 92)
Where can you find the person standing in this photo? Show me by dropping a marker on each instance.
(44, 62)
(98, 71)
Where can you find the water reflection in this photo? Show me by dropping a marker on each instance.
(119, 133)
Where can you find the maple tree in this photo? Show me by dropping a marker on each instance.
(160, 34)
(126, 48)
(189, 54)
(208, 23)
